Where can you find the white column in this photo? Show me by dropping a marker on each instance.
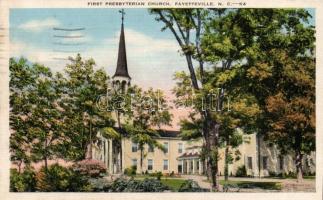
(110, 157)
(182, 167)
(200, 166)
(193, 162)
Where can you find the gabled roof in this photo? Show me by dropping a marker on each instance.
(168, 133)
(162, 133)
(189, 155)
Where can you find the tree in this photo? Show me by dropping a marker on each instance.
(149, 111)
(291, 109)
(268, 49)
(183, 23)
(238, 112)
(20, 78)
(280, 68)
(35, 118)
(56, 116)
(83, 85)
(223, 46)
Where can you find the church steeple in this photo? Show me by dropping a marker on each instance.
(122, 67)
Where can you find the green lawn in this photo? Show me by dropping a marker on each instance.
(173, 183)
(305, 177)
(253, 184)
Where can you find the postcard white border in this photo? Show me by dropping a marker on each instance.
(5, 6)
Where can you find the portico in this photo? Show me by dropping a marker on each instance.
(190, 163)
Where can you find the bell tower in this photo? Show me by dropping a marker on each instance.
(121, 79)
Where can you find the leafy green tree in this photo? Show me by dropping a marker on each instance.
(21, 77)
(267, 50)
(187, 26)
(83, 86)
(35, 118)
(149, 112)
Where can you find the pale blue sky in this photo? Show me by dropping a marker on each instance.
(153, 55)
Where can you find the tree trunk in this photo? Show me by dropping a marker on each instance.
(226, 164)
(45, 156)
(259, 154)
(299, 157)
(46, 164)
(299, 167)
(89, 156)
(141, 159)
(19, 166)
(213, 154)
(120, 148)
(120, 142)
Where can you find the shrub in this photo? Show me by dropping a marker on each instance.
(99, 185)
(241, 171)
(190, 186)
(22, 182)
(273, 174)
(151, 185)
(309, 173)
(291, 175)
(158, 175)
(90, 167)
(146, 185)
(60, 179)
(119, 185)
(172, 174)
(130, 171)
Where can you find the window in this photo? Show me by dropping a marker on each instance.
(150, 164)
(179, 167)
(180, 147)
(150, 148)
(265, 162)
(281, 162)
(166, 147)
(134, 162)
(250, 162)
(197, 165)
(134, 147)
(165, 166)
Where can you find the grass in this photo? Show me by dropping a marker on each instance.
(253, 184)
(291, 177)
(173, 183)
(309, 177)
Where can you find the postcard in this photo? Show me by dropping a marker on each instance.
(163, 99)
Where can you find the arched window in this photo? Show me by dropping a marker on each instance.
(123, 86)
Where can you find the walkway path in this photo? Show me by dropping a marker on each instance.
(288, 185)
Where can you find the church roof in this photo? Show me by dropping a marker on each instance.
(122, 67)
(168, 133)
(162, 133)
(189, 155)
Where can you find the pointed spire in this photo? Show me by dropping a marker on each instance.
(122, 68)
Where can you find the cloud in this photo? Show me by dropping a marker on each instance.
(39, 25)
(145, 44)
(37, 55)
(76, 37)
(151, 61)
